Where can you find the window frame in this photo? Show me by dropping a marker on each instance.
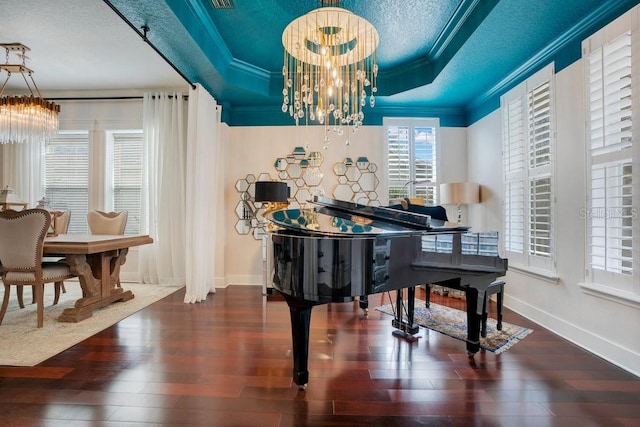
(413, 185)
(603, 210)
(521, 128)
(100, 184)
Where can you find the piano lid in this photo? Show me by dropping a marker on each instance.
(338, 218)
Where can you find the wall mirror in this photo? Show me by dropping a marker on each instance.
(357, 181)
(300, 170)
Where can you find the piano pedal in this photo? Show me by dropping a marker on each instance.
(405, 335)
(405, 327)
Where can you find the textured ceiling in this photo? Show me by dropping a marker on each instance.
(81, 46)
(446, 58)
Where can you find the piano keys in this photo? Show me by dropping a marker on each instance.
(339, 251)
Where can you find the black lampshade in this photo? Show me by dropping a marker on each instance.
(272, 191)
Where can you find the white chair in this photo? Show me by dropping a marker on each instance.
(21, 240)
(107, 222)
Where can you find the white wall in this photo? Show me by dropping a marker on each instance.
(604, 326)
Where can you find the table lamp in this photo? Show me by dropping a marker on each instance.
(10, 200)
(459, 193)
(274, 193)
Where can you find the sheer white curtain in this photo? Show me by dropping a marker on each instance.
(203, 193)
(22, 171)
(163, 189)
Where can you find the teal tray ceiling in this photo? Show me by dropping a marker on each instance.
(450, 59)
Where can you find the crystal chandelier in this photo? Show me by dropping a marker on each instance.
(28, 117)
(329, 69)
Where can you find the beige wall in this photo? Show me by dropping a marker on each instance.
(253, 150)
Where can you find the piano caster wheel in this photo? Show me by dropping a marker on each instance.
(365, 311)
(302, 387)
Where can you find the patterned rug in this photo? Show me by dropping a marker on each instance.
(453, 322)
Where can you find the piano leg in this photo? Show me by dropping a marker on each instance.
(363, 303)
(300, 312)
(406, 326)
(473, 321)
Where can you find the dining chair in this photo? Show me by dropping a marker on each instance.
(107, 222)
(62, 222)
(22, 235)
(61, 227)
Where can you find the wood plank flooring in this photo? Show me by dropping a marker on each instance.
(227, 362)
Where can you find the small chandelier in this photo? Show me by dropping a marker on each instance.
(29, 117)
(330, 68)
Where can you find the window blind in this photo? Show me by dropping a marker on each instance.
(513, 164)
(610, 106)
(612, 63)
(540, 217)
(66, 177)
(527, 126)
(127, 177)
(540, 182)
(398, 160)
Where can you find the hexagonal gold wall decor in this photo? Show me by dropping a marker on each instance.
(299, 169)
(357, 182)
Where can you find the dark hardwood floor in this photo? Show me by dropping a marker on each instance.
(227, 362)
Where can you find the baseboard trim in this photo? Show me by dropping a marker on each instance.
(598, 345)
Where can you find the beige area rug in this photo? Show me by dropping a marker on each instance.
(22, 344)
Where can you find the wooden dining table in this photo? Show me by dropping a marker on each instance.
(96, 260)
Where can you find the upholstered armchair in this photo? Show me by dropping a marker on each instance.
(107, 222)
(22, 237)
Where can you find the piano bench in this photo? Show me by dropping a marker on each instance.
(496, 288)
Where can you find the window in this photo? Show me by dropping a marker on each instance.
(611, 69)
(66, 176)
(412, 158)
(127, 176)
(71, 184)
(528, 137)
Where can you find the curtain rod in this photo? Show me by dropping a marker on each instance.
(103, 98)
(143, 35)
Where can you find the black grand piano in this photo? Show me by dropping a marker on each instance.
(339, 251)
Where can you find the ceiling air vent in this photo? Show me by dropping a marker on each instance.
(222, 4)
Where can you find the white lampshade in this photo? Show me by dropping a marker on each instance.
(459, 193)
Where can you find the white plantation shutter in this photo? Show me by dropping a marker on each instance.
(540, 199)
(611, 68)
(527, 126)
(540, 181)
(411, 157)
(127, 177)
(66, 177)
(513, 163)
(398, 160)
